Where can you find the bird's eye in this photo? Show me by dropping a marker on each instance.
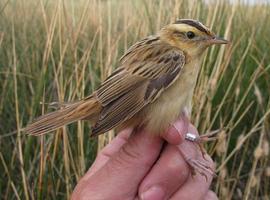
(190, 34)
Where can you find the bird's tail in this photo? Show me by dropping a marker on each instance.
(88, 108)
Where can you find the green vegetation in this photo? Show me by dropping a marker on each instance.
(61, 50)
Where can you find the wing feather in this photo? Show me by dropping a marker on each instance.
(147, 69)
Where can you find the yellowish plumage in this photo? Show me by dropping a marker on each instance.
(175, 100)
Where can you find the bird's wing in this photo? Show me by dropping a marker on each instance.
(147, 69)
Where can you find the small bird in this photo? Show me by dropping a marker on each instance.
(151, 88)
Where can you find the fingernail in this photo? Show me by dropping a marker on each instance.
(153, 193)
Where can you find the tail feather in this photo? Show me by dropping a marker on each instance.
(88, 108)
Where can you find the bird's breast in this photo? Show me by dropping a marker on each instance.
(167, 108)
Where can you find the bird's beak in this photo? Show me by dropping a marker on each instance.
(217, 40)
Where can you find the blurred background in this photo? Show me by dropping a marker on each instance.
(60, 50)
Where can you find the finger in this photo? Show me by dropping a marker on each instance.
(124, 170)
(210, 195)
(175, 133)
(108, 151)
(196, 186)
(167, 175)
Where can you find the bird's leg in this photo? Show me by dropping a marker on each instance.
(211, 136)
(190, 136)
(199, 140)
(200, 166)
(196, 165)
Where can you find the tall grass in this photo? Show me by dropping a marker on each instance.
(61, 50)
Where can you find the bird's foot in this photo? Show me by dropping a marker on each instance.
(196, 163)
(200, 139)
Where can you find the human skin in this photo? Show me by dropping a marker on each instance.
(148, 167)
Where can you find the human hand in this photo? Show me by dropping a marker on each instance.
(143, 166)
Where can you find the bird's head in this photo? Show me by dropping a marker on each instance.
(191, 36)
